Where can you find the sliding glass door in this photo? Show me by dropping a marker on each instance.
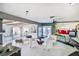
(44, 31)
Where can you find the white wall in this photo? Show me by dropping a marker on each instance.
(66, 25)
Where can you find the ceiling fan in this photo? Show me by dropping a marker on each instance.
(57, 18)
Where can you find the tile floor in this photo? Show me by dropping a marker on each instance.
(56, 50)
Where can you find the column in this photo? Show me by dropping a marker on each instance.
(12, 33)
(54, 28)
(21, 29)
(1, 41)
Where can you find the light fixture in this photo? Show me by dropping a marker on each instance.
(53, 18)
(69, 4)
(27, 12)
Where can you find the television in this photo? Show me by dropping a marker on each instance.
(72, 34)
